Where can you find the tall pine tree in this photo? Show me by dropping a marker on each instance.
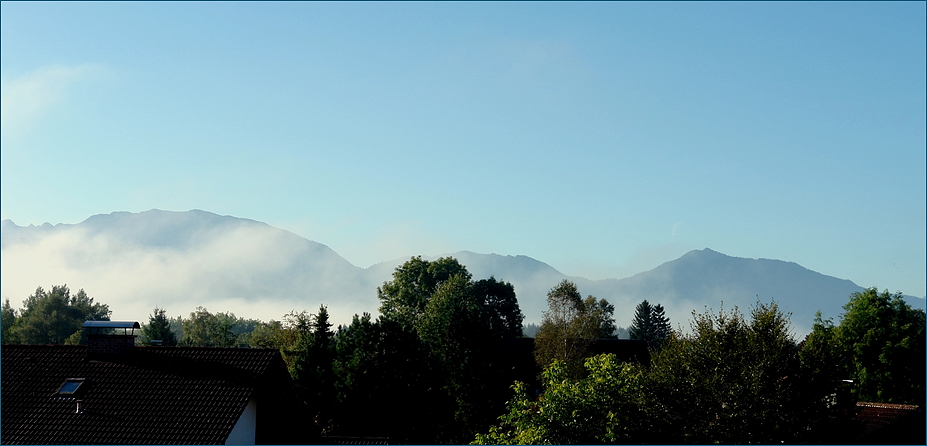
(660, 323)
(312, 369)
(650, 325)
(159, 328)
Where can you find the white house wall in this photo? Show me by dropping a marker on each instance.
(245, 428)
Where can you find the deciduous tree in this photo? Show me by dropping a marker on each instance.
(499, 307)
(606, 406)
(404, 298)
(879, 344)
(381, 361)
(569, 326)
(604, 313)
(56, 317)
(437, 335)
(732, 380)
(205, 329)
(456, 329)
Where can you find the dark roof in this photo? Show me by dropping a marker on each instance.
(112, 324)
(885, 423)
(354, 440)
(149, 395)
(875, 416)
(627, 350)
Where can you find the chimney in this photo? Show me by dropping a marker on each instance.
(106, 339)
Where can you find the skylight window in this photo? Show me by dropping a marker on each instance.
(71, 387)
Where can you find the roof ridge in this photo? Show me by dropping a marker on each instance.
(888, 405)
(178, 395)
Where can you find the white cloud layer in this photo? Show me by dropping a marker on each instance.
(251, 271)
(27, 98)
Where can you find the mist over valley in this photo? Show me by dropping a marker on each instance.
(135, 262)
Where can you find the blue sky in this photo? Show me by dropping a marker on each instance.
(601, 138)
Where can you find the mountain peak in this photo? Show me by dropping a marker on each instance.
(177, 260)
(706, 252)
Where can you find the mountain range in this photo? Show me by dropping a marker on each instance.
(180, 260)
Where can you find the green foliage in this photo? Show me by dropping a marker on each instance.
(54, 317)
(243, 328)
(569, 326)
(602, 314)
(879, 344)
(177, 327)
(457, 336)
(159, 328)
(434, 348)
(451, 319)
(650, 324)
(404, 298)
(355, 350)
(6, 323)
(379, 361)
(312, 364)
(821, 357)
(606, 406)
(498, 304)
(732, 380)
(564, 335)
(205, 329)
(273, 334)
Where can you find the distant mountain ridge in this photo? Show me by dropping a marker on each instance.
(179, 260)
(733, 281)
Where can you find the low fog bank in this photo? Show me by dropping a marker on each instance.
(248, 268)
(181, 260)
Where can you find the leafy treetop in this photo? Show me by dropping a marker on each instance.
(52, 317)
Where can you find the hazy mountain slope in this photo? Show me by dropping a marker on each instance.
(708, 278)
(698, 280)
(180, 260)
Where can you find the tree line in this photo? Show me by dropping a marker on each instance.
(733, 378)
(432, 367)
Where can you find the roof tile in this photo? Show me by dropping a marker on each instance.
(198, 392)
